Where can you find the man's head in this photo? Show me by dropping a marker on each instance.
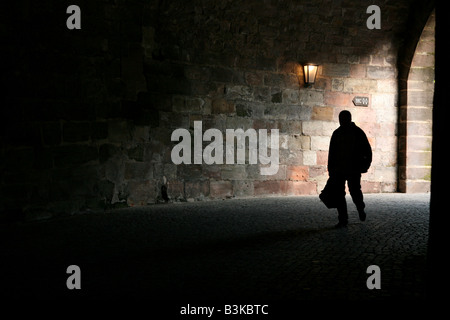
(345, 117)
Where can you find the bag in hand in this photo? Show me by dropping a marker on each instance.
(329, 196)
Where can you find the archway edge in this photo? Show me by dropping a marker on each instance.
(416, 89)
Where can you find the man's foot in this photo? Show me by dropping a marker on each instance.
(362, 215)
(341, 225)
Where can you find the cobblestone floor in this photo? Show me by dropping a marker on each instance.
(258, 249)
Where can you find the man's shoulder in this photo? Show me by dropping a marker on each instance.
(352, 128)
(359, 130)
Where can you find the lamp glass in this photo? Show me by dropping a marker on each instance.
(310, 71)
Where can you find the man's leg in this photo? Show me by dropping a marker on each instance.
(342, 211)
(354, 186)
(338, 184)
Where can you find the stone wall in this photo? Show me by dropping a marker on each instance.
(88, 114)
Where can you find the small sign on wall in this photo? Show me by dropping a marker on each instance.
(361, 101)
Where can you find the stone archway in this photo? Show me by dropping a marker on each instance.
(415, 114)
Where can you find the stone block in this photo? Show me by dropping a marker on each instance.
(420, 85)
(320, 143)
(338, 99)
(276, 80)
(386, 115)
(322, 157)
(387, 144)
(279, 175)
(418, 158)
(319, 128)
(136, 153)
(221, 189)
(426, 47)
(337, 84)
(291, 157)
(420, 98)
(243, 188)
(254, 79)
(277, 97)
(221, 105)
(138, 171)
(311, 97)
(383, 101)
(418, 143)
(297, 142)
(169, 170)
(276, 112)
(364, 115)
(358, 71)
(262, 94)
(194, 72)
(297, 188)
(388, 186)
(233, 172)
(297, 173)
(376, 72)
(318, 171)
(212, 171)
(239, 123)
(269, 187)
(178, 103)
(323, 84)
(175, 190)
(268, 124)
(243, 110)
(194, 104)
(420, 128)
(239, 93)
(290, 96)
(220, 74)
(370, 186)
(290, 127)
(322, 113)
(118, 131)
(190, 171)
(254, 172)
(423, 61)
(384, 174)
(197, 189)
(187, 104)
(360, 85)
(298, 113)
(284, 140)
(387, 86)
(335, 70)
(309, 158)
(418, 186)
(382, 158)
(419, 173)
(141, 193)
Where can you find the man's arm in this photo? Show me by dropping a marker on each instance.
(332, 154)
(366, 152)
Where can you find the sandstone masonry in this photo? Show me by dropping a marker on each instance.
(91, 112)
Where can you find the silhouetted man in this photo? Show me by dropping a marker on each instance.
(349, 155)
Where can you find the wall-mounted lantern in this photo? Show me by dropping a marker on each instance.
(310, 72)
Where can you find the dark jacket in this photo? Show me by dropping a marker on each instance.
(350, 151)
